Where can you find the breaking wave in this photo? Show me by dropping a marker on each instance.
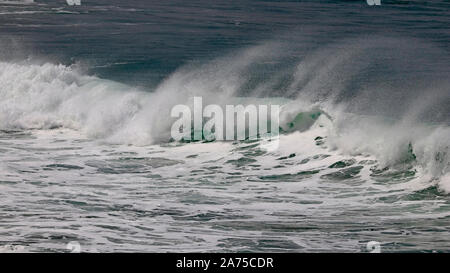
(368, 98)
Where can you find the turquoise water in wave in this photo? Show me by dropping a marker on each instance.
(85, 150)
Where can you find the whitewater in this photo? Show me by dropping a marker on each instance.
(86, 153)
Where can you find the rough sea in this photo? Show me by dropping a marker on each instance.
(86, 155)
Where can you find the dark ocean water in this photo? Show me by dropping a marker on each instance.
(141, 42)
(86, 92)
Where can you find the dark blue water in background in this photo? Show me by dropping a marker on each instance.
(141, 42)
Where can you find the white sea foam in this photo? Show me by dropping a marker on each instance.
(46, 96)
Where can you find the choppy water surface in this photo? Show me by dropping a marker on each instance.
(85, 151)
(208, 197)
